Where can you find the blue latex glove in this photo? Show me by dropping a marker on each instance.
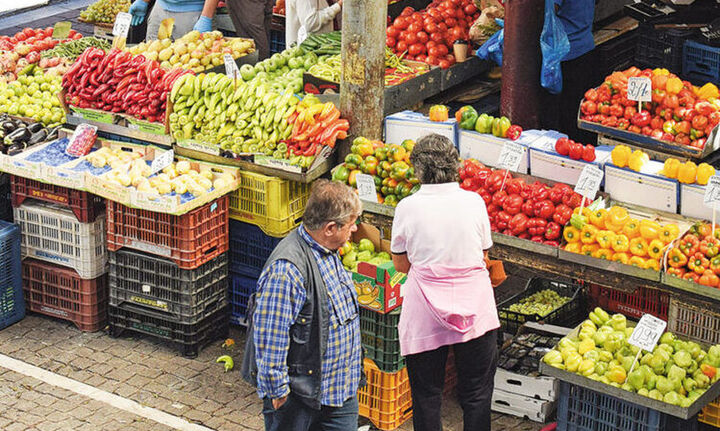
(138, 10)
(203, 24)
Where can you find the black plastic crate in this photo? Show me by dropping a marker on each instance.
(569, 314)
(661, 48)
(616, 54)
(277, 41)
(241, 287)
(185, 295)
(380, 339)
(249, 248)
(188, 338)
(6, 211)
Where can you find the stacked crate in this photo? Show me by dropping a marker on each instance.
(12, 305)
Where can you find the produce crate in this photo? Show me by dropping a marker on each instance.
(187, 295)
(241, 288)
(642, 301)
(385, 400)
(616, 54)
(568, 314)
(6, 212)
(53, 234)
(711, 414)
(249, 248)
(277, 41)
(695, 321)
(274, 204)
(60, 292)
(12, 305)
(701, 63)
(661, 48)
(380, 339)
(84, 205)
(189, 240)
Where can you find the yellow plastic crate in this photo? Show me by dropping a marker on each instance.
(711, 414)
(385, 400)
(273, 204)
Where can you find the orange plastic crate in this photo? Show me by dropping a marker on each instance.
(385, 400)
(711, 414)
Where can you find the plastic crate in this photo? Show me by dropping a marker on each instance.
(60, 292)
(6, 212)
(53, 234)
(277, 41)
(385, 400)
(616, 54)
(701, 63)
(710, 414)
(12, 304)
(582, 409)
(241, 288)
(661, 48)
(568, 314)
(188, 338)
(187, 295)
(189, 240)
(84, 205)
(380, 339)
(642, 301)
(249, 248)
(697, 322)
(274, 204)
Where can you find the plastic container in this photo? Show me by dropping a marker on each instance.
(616, 54)
(53, 234)
(6, 212)
(241, 288)
(189, 240)
(249, 248)
(84, 205)
(12, 304)
(60, 292)
(661, 48)
(380, 339)
(701, 63)
(277, 41)
(634, 304)
(697, 322)
(274, 204)
(711, 414)
(385, 400)
(187, 295)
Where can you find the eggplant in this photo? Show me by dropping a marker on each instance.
(52, 133)
(35, 127)
(16, 148)
(18, 136)
(37, 137)
(8, 126)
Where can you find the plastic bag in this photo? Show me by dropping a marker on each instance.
(493, 48)
(554, 45)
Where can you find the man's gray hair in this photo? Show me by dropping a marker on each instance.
(330, 201)
(435, 160)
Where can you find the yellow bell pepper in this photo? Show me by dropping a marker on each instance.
(655, 249)
(661, 71)
(620, 155)
(621, 257)
(637, 160)
(669, 232)
(649, 230)
(670, 168)
(704, 172)
(687, 173)
(603, 253)
(605, 238)
(653, 264)
(674, 85)
(616, 218)
(589, 249)
(571, 234)
(597, 218)
(632, 228)
(621, 244)
(587, 234)
(708, 91)
(638, 247)
(637, 261)
(573, 247)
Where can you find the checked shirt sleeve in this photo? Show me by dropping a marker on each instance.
(280, 297)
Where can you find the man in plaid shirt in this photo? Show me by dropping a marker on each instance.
(305, 326)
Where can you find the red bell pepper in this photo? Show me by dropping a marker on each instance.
(562, 214)
(553, 231)
(518, 223)
(544, 209)
(512, 204)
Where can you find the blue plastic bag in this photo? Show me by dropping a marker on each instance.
(554, 45)
(492, 49)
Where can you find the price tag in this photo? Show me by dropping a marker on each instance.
(639, 89)
(712, 191)
(231, 69)
(589, 182)
(122, 24)
(162, 161)
(647, 332)
(366, 187)
(61, 30)
(511, 156)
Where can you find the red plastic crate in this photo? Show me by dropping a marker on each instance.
(84, 205)
(189, 240)
(635, 304)
(60, 292)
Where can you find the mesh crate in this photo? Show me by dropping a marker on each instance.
(710, 414)
(582, 409)
(60, 292)
(12, 305)
(274, 204)
(6, 212)
(697, 322)
(635, 304)
(616, 54)
(701, 63)
(241, 288)
(568, 314)
(187, 295)
(53, 234)
(661, 48)
(380, 339)
(249, 248)
(188, 338)
(189, 240)
(385, 400)
(84, 205)
(277, 41)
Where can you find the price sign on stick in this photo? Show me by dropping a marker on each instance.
(162, 161)
(366, 187)
(122, 24)
(639, 89)
(712, 197)
(231, 69)
(589, 182)
(647, 332)
(511, 156)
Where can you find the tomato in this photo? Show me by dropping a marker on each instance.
(450, 58)
(430, 44)
(20, 36)
(450, 22)
(456, 2)
(401, 46)
(431, 59)
(456, 33)
(442, 50)
(389, 41)
(421, 57)
(447, 4)
(414, 28)
(434, 52)
(411, 38)
(415, 49)
(29, 32)
(460, 14)
(407, 11)
(392, 31)
(401, 23)
(435, 14)
(423, 37)
(470, 9)
(431, 27)
(444, 64)
(437, 37)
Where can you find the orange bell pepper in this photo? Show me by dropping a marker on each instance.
(708, 370)
(621, 257)
(698, 263)
(589, 249)
(638, 247)
(709, 278)
(621, 243)
(571, 234)
(637, 261)
(655, 249)
(587, 234)
(677, 272)
(439, 113)
(605, 238)
(573, 247)
(677, 258)
(603, 253)
(691, 276)
(632, 228)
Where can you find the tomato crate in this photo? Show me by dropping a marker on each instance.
(53, 234)
(241, 288)
(274, 204)
(60, 292)
(568, 314)
(701, 63)
(187, 295)
(12, 304)
(187, 338)
(642, 301)
(84, 205)
(711, 414)
(385, 400)
(189, 240)
(694, 320)
(380, 339)
(249, 248)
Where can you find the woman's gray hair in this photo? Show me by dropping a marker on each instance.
(435, 160)
(330, 201)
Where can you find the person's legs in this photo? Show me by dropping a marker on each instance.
(343, 418)
(426, 371)
(579, 75)
(291, 416)
(248, 17)
(184, 22)
(476, 361)
(153, 22)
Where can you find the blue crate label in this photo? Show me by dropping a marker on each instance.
(647, 332)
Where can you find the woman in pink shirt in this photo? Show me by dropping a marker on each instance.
(440, 236)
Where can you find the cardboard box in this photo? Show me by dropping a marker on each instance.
(647, 188)
(546, 163)
(691, 202)
(413, 125)
(486, 148)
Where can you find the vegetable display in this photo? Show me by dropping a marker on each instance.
(283, 70)
(575, 150)
(541, 303)
(696, 256)
(33, 95)
(469, 119)
(687, 172)
(17, 135)
(24, 48)
(363, 251)
(104, 11)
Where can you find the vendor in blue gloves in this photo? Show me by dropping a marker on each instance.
(188, 14)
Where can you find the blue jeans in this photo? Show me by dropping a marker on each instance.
(296, 416)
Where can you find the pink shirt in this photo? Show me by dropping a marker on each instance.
(447, 298)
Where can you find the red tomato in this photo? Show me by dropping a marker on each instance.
(470, 9)
(402, 46)
(421, 57)
(401, 23)
(450, 58)
(434, 52)
(414, 28)
(407, 11)
(444, 64)
(460, 14)
(389, 41)
(411, 38)
(29, 32)
(422, 37)
(431, 28)
(447, 4)
(450, 22)
(432, 60)
(442, 50)
(456, 33)
(416, 49)
(392, 31)
(435, 14)
(20, 36)
(437, 37)
(456, 2)
(442, 27)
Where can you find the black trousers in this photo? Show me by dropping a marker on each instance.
(475, 361)
(252, 19)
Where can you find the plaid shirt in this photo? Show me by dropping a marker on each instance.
(280, 298)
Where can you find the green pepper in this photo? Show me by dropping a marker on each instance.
(483, 124)
(468, 118)
(500, 127)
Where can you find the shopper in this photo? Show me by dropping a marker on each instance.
(252, 19)
(188, 14)
(306, 17)
(305, 326)
(440, 237)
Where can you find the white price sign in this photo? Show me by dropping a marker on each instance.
(589, 182)
(366, 187)
(231, 69)
(511, 156)
(162, 161)
(712, 191)
(639, 89)
(647, 332)
(122, 24)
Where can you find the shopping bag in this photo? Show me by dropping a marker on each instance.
(554, 46)
(493, 48)
(496, 269)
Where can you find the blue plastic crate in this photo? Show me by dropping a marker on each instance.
(241, 287)
(249, 248)
(12, 303)
(277, 41)
(701, 63)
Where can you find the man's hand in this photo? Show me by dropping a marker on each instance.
(278, 402)
(340, 2)
(138, 10)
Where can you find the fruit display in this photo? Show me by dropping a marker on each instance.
(33, 95)
(541, 303)
(687, 172)
(696, 256)
(283, 70)
(534, 211)
(676, 372)
(119, 82)
(73, 49)
(24, 48)
(323, 43)
(194, 51)
(622, 156)
(315, 125)
(363, 251)
(575, 150)
(17, 135)
(389, 165)
(104, 11)
(469, 119)
(679, 111)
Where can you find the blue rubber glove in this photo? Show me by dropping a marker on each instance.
(138, 10)
(203, 24)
